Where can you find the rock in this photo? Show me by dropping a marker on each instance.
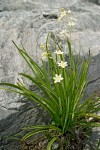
(28, 114)
(28, 21)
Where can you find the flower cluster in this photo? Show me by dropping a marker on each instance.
(61, 64)
(59, 61)
(70, 20)
(68, 15)
(63, 14)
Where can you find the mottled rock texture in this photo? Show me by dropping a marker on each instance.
(28, 21)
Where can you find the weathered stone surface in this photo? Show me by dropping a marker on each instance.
(28, 114)
(28, 21)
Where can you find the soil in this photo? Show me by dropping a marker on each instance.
(41, 143)
(37, 144)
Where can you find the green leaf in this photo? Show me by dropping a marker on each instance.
(11, 85)
(51, 142)
(32, 133)
(51, 127)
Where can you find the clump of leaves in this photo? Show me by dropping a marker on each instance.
(62, 86)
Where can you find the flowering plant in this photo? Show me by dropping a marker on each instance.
(62, 86)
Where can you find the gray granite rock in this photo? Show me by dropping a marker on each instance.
(28, 114)
(28, 21)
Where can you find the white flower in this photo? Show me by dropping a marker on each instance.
(45, 56)
(70, 24)
(58, 52)
(57, 78)
(62, 14)
(62, 64)
(69, 12)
